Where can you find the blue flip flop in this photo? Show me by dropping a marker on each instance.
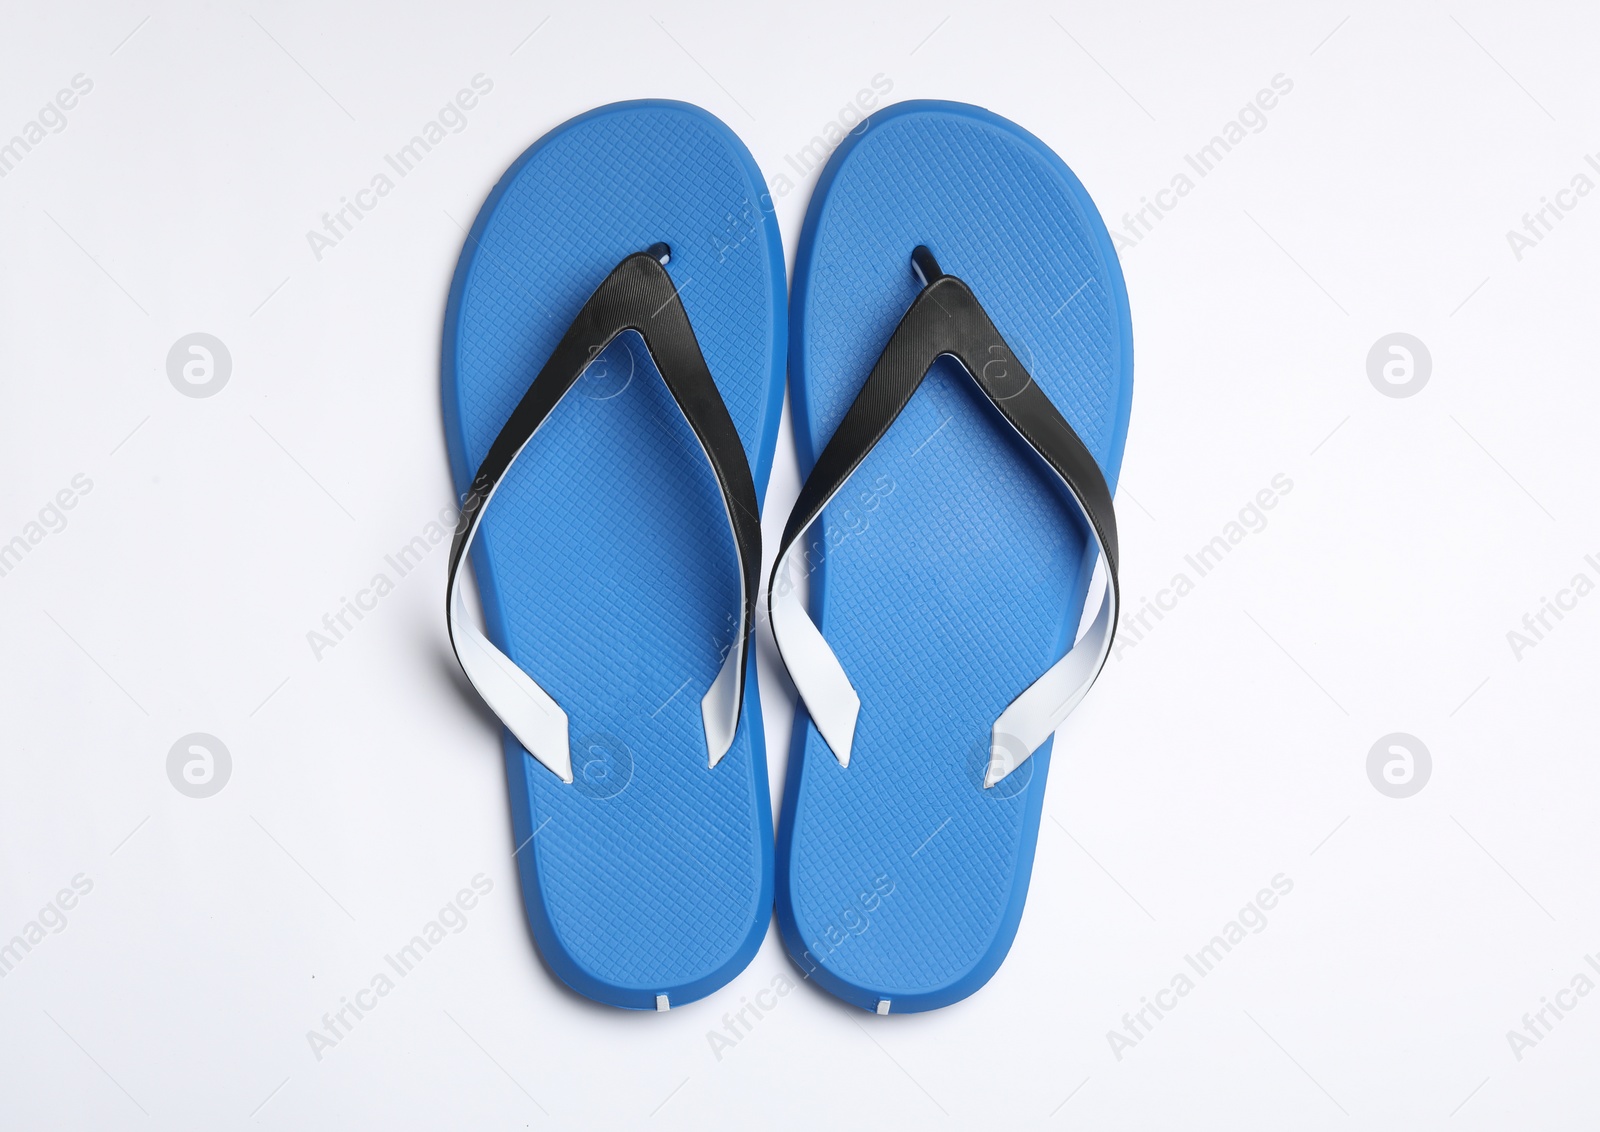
(612, 383)
(962, 367)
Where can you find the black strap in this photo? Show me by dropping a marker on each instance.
(946, 318)
(640, 296)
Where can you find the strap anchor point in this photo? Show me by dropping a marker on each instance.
(924, 266)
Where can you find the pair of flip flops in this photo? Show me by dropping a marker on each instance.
(958, 344)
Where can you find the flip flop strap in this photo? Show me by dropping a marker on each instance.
(946, 320)
(638, 295)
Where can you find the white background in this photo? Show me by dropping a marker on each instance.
(1228, 746)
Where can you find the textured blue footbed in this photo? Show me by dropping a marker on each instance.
(955, 572)
(605, 564)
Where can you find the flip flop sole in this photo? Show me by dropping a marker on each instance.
(954, 573)
(605, 566)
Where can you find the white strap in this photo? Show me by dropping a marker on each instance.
(1033, 717)
(830, 698)
(527, 710)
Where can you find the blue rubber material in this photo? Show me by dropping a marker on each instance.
(955, 573)
(605, 563)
